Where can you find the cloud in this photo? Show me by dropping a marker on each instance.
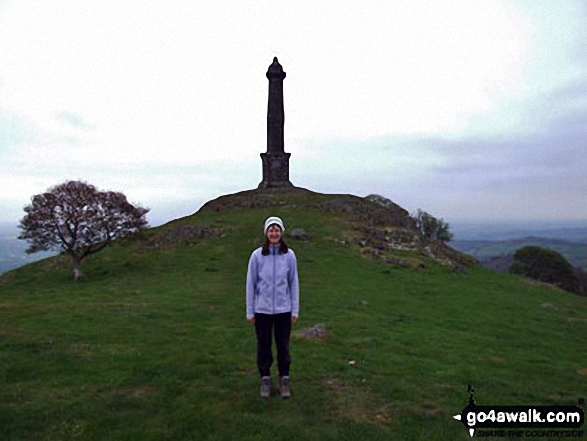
(73, 119)
(537, 171)
(16, 131)
(453, 106)
(169, 190)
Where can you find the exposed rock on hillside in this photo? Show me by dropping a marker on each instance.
(315, 332)
(378, 225)
(299, 234)
(257, 198)
(360, 209)
(179, 233)
(368, 211)
(379, 242)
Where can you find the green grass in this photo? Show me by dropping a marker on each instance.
(154, 345)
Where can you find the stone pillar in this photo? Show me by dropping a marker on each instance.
(275, 160)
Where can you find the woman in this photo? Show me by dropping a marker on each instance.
(273, 303)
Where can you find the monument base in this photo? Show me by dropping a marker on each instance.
(275, 170)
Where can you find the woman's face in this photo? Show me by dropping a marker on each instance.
(274, 234)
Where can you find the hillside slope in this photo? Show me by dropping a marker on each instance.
(154, 344)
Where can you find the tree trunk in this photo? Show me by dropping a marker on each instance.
(77, 273)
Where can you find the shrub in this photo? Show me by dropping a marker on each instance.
(546, 266)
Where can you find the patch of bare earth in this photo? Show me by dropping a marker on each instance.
(7, 277)
(429, 409)
(357, 402)
(137, 391)
(5, 306)
(492, 358)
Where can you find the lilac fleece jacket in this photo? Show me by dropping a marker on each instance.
(272, 283)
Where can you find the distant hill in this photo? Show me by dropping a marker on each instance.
(496, 253)
(574, 231)
(12, 250)
(501, 263)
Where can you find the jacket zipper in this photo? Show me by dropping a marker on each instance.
(273, 280)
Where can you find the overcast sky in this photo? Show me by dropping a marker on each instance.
(470, 110)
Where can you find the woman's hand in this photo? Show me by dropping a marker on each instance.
(251, 320)
(294, 319)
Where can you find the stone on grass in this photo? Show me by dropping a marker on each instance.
(299, 234)
(316, 331)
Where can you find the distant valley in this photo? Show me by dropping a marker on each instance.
(12, 250)
(498, 254)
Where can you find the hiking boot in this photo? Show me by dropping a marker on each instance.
(284, 387)
(265, 387)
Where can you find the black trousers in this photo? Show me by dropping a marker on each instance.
(281, 324)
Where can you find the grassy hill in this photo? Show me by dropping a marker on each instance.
(154, 345)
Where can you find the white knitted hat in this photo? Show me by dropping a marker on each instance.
(273, 220)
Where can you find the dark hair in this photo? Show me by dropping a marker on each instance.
(282, 246)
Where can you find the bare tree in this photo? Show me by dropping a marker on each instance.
(76, 218)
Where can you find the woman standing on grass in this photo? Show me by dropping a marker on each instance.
(273, 303)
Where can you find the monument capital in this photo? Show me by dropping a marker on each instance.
(275, 70)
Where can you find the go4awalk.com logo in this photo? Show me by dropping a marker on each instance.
(536, 421)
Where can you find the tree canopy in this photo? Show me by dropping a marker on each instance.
(546, 266)
(78, 219)
(431, 227)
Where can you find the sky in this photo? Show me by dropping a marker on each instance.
(471, 111)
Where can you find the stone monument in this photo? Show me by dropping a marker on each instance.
(275, 160)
